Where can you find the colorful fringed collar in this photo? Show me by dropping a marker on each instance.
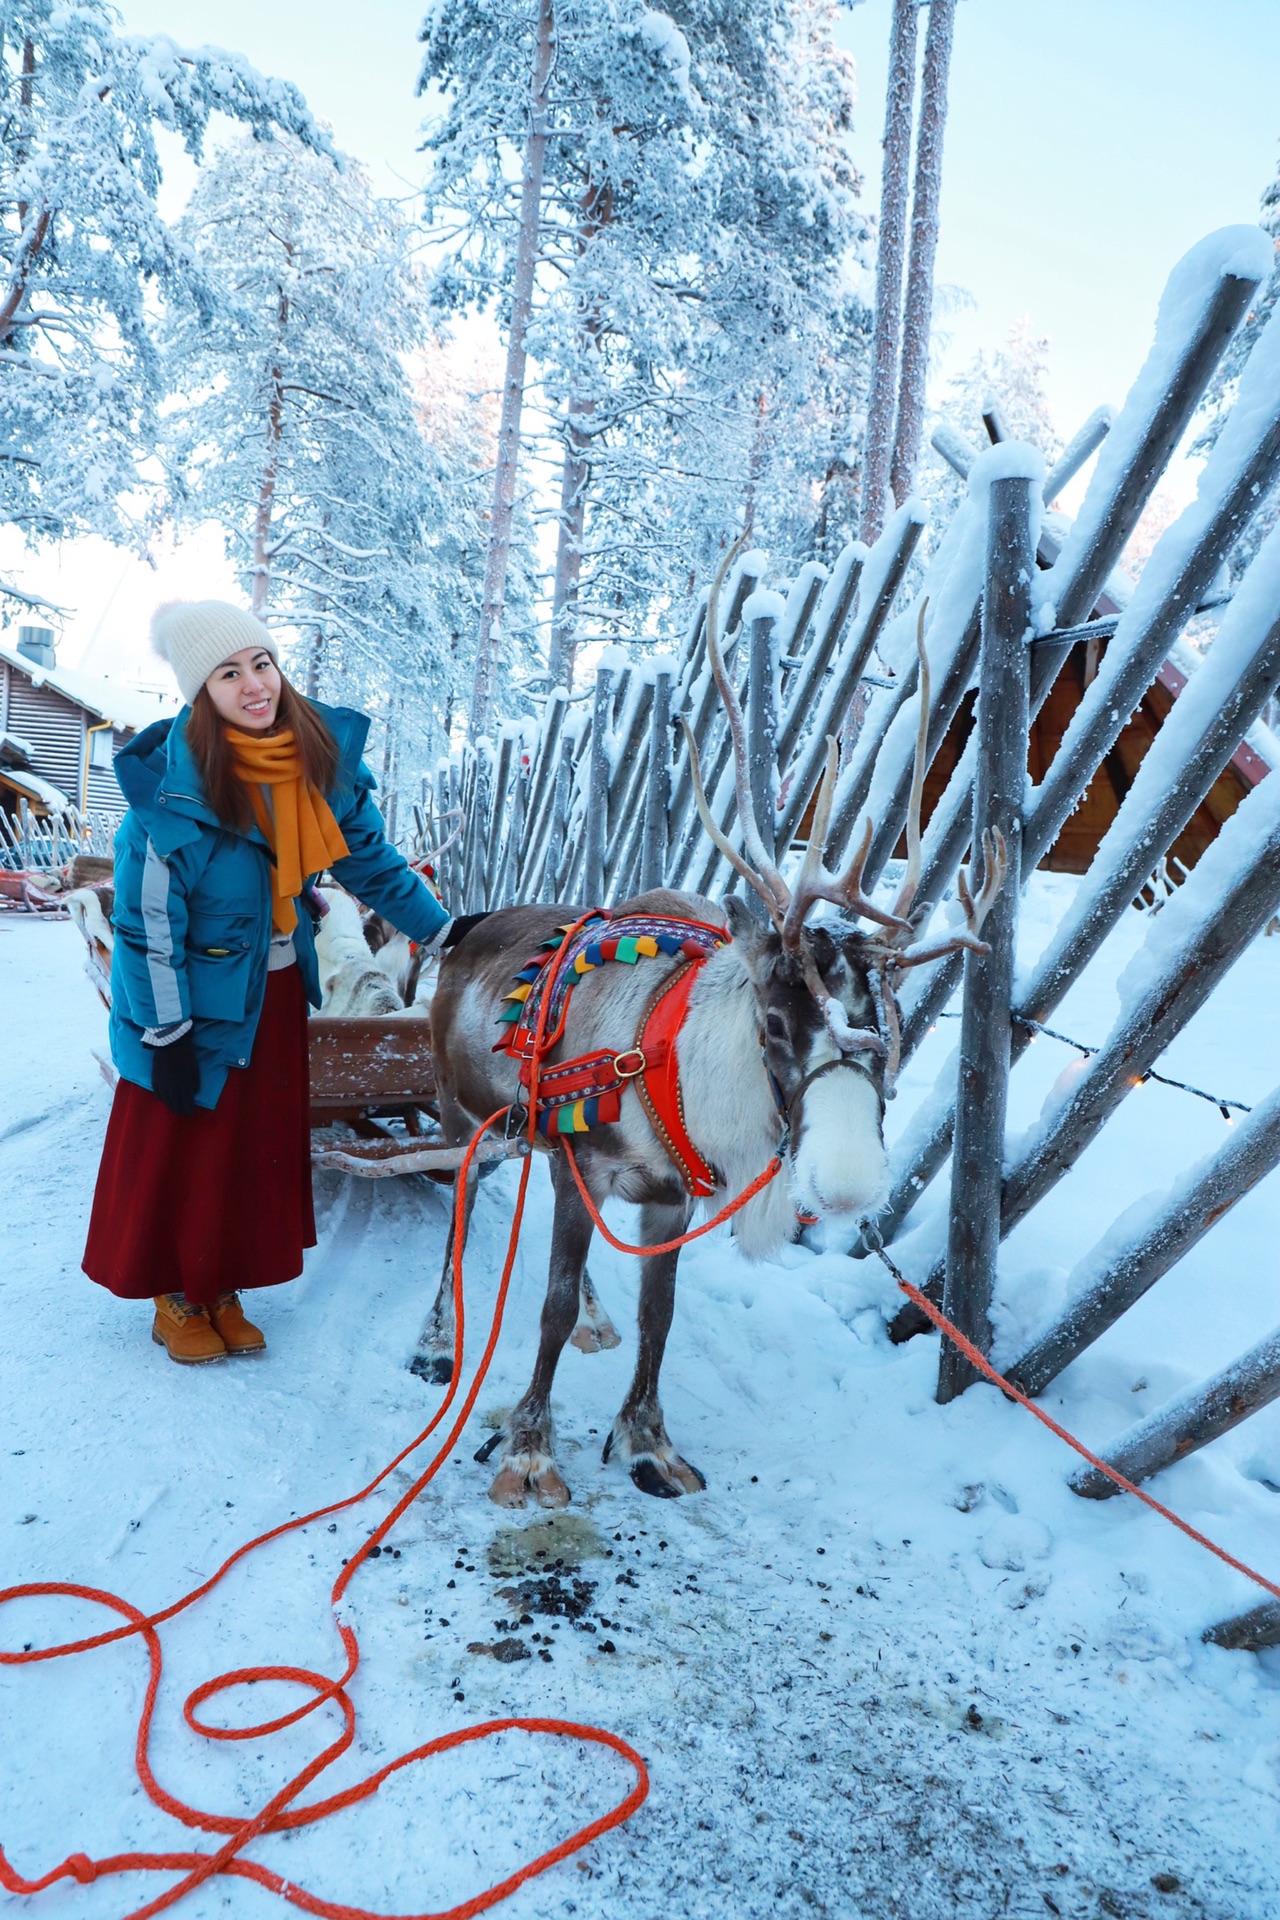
(633, 937)
(576, 1095)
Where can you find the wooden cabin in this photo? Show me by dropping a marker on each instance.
(1076, 845)
(60, 730)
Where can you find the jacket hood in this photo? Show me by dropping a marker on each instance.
(157, 764)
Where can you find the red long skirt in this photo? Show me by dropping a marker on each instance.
(212, 1202)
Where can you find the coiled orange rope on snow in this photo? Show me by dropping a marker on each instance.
(280, 1813)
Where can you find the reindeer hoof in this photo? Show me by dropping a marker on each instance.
(509, 1488)
(512, 1488)
(589, 1339)
(550, 1489)
(669, 1480)
(435, 1368)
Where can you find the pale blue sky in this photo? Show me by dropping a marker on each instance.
(1091, 142)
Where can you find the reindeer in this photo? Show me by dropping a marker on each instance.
(351, 981)
(789, 1047)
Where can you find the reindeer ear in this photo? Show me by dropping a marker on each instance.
(752, 940)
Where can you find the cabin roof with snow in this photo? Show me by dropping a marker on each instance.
(60, 731)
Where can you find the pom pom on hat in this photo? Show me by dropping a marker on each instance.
(195, 636)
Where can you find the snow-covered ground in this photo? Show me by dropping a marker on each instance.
(887, 1665)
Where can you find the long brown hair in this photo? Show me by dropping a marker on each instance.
(224, 790)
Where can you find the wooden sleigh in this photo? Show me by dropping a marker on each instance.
(373, 1088)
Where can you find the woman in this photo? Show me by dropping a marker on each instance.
(234, 808)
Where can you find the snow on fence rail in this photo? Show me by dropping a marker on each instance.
(596, 803)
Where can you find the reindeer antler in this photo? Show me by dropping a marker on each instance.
(995, 868)
(788, 907)
(814, 882)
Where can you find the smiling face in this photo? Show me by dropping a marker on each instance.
(245, 690)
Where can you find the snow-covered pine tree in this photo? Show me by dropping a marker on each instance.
(83, 248)
(295, 427)
(697, 206)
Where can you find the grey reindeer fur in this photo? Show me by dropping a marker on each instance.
(732, 1117)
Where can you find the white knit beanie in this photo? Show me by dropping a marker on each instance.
(195, 636)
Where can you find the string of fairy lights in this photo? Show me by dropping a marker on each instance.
(1225, 1107)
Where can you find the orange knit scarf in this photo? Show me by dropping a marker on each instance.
(298, 824)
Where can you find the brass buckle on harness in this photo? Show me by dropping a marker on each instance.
(625, 1072)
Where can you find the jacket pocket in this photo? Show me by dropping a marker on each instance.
(218, 978)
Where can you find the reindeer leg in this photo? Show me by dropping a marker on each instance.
(433, 1356)
(594, 1329)
(639, 1434)
(528, 1462)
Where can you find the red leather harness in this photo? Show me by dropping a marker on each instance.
(651, 1065)
(658, 1080)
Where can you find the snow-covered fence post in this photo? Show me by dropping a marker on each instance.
(1076, 452)
(1206, 296)
(707, 717)
(626, 787)
(877, 581)
(542, 781)
(483, 825)
(459, 799)
(1189, 1422)
(973, 1238)
(500, 891)
(657, 796)
(1232, 893)
(762, 613)
(547, 883)
(495, 848)
(794, 626)
(1111, 1278)
(596, 825)
(801, 686)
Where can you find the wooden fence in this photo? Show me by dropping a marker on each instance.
(596, 803)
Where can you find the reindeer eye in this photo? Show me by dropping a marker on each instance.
(774, 1025)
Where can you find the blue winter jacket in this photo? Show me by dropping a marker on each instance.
(193, 900)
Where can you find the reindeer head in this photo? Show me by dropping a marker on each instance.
(830, 1095)
(828, 994)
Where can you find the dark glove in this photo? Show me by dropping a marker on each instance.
(175, 1074)
(460, 927)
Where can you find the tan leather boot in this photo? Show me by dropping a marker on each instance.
(238, 1335)
(185, 1332)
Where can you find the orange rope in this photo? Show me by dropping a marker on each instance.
(668, 1246)
(279, 1814)
(984, 1366)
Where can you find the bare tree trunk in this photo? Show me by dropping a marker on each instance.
(573, 514)
(314, 651)
(597, 211)
(504, 479)
(918, 309)
(756, 465)
(890, 252)
(270, 473)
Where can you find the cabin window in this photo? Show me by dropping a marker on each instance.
(101, 748)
